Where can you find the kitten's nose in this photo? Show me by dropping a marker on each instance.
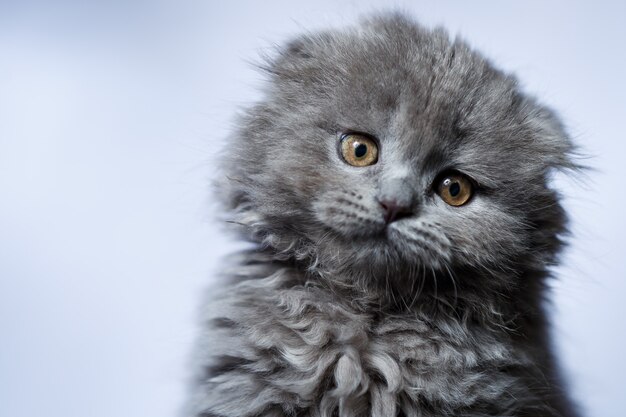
(394, 210)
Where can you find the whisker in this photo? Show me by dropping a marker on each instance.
(456, 294)
(434, 282)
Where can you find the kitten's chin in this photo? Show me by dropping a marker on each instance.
(415, 242)
(401, 245)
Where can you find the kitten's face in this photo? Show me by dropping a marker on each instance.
(391, 149)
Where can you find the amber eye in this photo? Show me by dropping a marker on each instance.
(358, 150)
(455, 189)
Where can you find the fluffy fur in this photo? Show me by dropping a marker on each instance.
(335, 312)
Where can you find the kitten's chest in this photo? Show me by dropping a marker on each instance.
(343, 356)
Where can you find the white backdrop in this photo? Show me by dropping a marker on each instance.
(110, 115)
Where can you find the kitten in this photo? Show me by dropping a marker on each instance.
(396, 185)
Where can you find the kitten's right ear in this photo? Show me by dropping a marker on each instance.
(296, 56)
(300, 48)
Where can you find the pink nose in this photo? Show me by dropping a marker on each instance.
(394, 211)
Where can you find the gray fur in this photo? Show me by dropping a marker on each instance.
(336, 313)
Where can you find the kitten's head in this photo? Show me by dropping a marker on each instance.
(388, 148)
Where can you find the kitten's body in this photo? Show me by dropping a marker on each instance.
(343, 313)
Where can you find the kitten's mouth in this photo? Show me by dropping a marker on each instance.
(392, 211)
(394, 216)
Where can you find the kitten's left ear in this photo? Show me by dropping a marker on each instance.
(554, 144)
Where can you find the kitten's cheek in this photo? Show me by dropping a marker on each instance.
(326, 214)
(331, 217)
(345, 219)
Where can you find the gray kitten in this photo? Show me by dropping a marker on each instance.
(396, 186)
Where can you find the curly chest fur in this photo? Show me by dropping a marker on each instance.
(303, 352)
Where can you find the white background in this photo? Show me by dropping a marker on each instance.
(110, 117)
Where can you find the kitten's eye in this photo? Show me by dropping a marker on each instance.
(455, 189)
(358, 150)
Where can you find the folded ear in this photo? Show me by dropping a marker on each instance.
(302, 54)
(551, 138)
(299, 48)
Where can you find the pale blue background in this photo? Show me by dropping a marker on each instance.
(110, 115)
